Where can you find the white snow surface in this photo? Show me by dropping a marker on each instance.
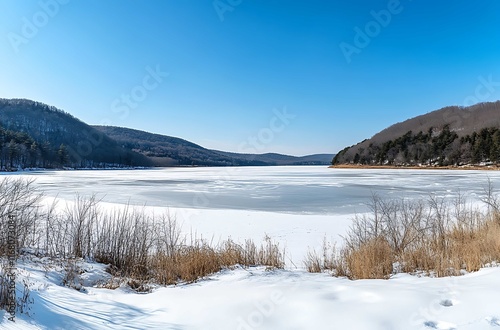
(258, 299)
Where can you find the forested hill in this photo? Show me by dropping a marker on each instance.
(166, 150)
(33, 134)
(36, 135)
(449, 136)
(171, 151)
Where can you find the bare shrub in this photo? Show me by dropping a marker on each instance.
(19, 198)
(54, 230)
(81, 217)
(491, 199)
(125, 239)
(436, 237)
(25, 300)
(169, 232)
(71, 275)
(136, 245)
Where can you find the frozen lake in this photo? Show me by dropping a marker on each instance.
(296, 206)
(298, 190)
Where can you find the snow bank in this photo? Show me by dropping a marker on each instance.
(259, 299)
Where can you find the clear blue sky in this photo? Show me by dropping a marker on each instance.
(229, 67)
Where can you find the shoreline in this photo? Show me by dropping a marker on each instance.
(414, 167)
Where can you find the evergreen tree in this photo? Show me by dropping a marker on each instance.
(62, 155)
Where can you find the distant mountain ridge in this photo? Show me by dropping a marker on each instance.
(33, 134)
(448, 136)
(171, 151)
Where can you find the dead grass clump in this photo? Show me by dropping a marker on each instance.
(313, 262)
(196, 261)
(271, 255)
(199, 259)
(371, 260)
(491, 240)
(230, 254)
(475, 249)
(327, 260)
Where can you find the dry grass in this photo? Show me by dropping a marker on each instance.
(460, 249)
(199, 259)
(325, 261)
(371, 260)
(435, 237)
(152, 250)
(313, 262)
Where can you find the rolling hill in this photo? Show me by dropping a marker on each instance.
(171, 151)
(34, 134)
(448, 136)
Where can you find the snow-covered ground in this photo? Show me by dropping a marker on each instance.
(295, 233)
(258, 299)
(255, 298)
